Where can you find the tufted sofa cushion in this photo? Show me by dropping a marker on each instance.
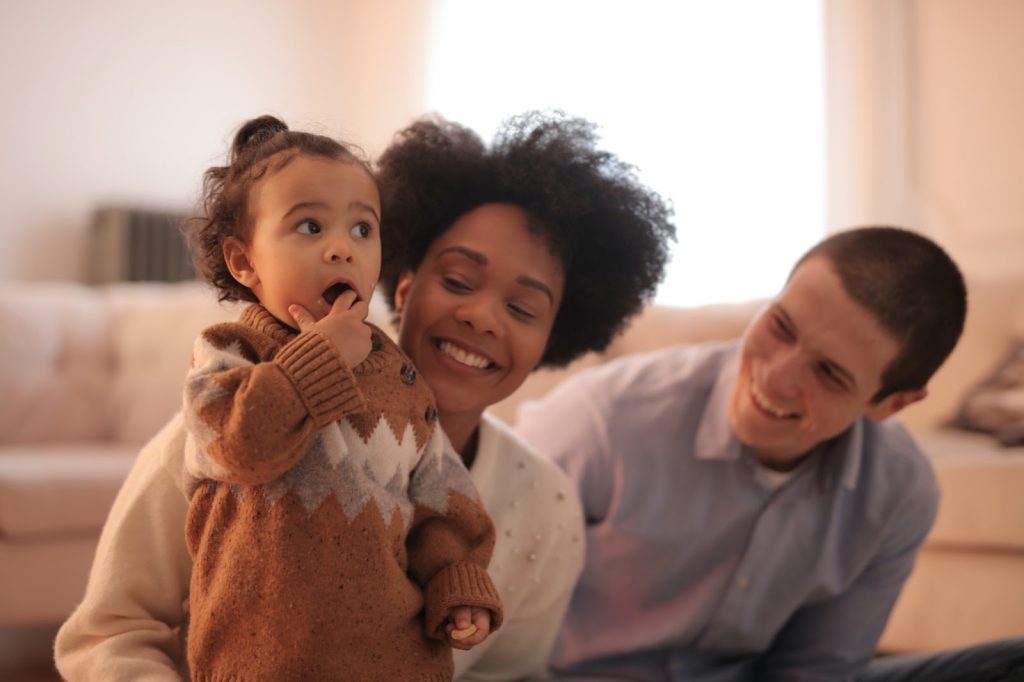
(57, 363)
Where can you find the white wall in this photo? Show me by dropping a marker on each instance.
(124, 101)
(120, 101)
(968, 127)
(926, 100)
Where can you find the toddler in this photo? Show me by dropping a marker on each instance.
(334, 532)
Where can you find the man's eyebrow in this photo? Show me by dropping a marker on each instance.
(481, 259)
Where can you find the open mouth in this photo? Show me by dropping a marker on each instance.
(766, 405)
(332, 292)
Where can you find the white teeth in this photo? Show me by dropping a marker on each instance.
(465, 357)
(762, 401)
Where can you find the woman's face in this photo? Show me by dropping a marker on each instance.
(477, 314)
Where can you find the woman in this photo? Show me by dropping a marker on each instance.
(498, 260)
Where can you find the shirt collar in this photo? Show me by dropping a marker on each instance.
(839, 460)
(715, 440)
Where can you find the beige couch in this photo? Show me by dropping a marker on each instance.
(88, 374)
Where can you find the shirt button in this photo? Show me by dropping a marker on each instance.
(408, 374)
(430, 414)
(743, 582)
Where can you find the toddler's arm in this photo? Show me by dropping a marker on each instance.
(451, 539)
(252, 405)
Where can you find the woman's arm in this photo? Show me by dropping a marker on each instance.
(128, 625)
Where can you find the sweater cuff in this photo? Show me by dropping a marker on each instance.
(463, 584)
(326, 386)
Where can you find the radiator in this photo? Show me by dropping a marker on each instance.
(133, 245)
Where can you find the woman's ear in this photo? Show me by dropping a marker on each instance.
(402, 290)
(236, 256)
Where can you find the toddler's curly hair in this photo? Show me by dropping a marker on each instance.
(609, 231)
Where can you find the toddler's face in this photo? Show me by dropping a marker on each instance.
(316, 233)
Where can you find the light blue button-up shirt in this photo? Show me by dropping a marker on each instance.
(698, 568)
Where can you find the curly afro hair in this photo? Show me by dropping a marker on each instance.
(610, 232)
(262, 145)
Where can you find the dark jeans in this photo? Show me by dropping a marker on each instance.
(998, 661)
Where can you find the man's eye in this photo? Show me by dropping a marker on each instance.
(830, 374)
(780, 327)
(308, 227)
(362, 230)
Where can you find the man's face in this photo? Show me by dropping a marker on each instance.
(810, 363)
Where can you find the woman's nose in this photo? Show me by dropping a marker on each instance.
(479, 314)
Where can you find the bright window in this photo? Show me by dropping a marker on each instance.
(719, 105)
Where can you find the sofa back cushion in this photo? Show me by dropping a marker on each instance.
(55, 363)
(153, 329)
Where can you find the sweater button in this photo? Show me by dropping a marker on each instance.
(430, 414)
(375, 343)
(408, 374)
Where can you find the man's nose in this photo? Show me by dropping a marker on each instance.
(783, 372)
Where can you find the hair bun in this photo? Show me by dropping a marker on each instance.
(255, 132)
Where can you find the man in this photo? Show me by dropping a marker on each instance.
(751, 512)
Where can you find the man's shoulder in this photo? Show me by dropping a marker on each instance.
(896, 462)
(658, 370)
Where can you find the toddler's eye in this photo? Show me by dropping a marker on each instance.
(308, 227)
(362, 230)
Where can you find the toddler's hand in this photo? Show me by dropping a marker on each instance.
(467, 626)
(344, 325)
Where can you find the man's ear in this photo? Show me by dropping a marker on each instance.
(236, 256)
(895, 402)
(402, 290)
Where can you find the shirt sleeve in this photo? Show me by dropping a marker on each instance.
(451, 539)
(569, 428)
(835, 639)
(128, 625)
(251, 415)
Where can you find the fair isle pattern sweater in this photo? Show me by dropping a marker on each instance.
(331, 524)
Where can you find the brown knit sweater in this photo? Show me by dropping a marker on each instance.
(331, 524)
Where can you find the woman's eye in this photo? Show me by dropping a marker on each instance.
(361, 231)
(520, 311)
(308, 227)
(455, 285)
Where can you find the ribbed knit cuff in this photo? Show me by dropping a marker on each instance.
(463, 584)
(326, 385)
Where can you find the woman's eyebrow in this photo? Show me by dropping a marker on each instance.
(475, 256)
(536, 284)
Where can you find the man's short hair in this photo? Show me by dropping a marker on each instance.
(911, 286)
